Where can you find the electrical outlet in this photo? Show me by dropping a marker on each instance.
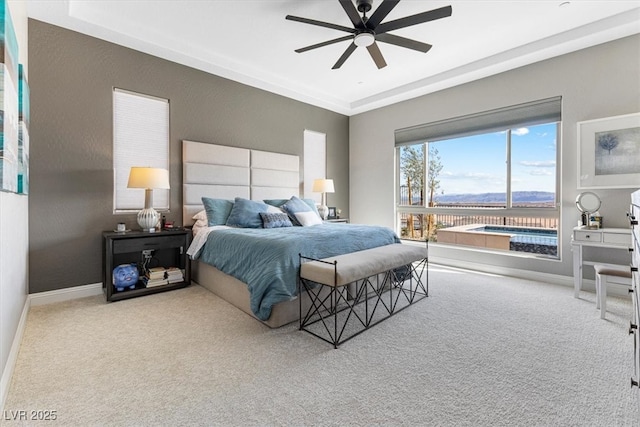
(147, 252)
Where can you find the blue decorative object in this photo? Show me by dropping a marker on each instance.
(125, 276)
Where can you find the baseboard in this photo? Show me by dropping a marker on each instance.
(505, 271)
(588, 285)
(7, 373)
(65, 294)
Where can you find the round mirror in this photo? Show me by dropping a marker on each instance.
(588, 202)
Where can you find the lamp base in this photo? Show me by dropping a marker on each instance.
(148, 219)
(323, 211)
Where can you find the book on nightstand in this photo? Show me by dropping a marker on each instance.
(156, 273)
(150, 283)
(175, 275)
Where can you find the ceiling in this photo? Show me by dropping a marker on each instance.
(251, 42)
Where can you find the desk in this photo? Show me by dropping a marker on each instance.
(606, 238)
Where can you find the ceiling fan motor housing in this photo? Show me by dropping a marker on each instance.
(364, 6)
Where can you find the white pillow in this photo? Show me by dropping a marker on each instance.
(308, 218)
(199, 225)
(202, 215)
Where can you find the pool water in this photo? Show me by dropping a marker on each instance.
(533, 240)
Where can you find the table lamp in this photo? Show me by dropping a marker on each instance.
(323, 186)
(148, 178)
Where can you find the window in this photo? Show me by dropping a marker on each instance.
(315, 163)
(140, 138)
(489, 180)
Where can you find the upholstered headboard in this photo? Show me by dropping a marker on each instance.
(223, 172)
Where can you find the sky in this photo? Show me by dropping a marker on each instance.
(477, 164)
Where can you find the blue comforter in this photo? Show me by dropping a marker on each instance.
(267, 259)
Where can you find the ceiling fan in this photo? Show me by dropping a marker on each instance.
(367, 30)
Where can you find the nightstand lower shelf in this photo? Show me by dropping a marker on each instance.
(141, 290)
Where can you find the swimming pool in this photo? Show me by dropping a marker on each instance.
(533, 240)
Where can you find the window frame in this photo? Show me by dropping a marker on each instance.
(552, 212)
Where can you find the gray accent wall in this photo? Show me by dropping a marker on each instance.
(601, 81)
(72, 77)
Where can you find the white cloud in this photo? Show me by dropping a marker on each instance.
(538, 163)
(520, 131)
(469, 175)
(541, 172)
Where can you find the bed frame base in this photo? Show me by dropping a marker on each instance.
(236, 293)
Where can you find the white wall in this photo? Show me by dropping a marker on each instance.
(601, 81)
(14, 242)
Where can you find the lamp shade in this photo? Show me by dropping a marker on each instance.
(323, 186)
(144, 177)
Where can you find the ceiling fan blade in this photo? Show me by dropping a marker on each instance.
(347, 53)
(320, 23)
(376, 55)
(403, 42)
(328, 42)
(420, 18)
(352, 13)
(381, 12)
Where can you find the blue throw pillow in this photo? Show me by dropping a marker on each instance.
(279, 202)
(275, 220)
(217, 210)
(312, 205)
(293, 206)
(246, 213)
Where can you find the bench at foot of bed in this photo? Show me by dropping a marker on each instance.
(365, 288)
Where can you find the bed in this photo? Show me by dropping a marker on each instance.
(255, 269)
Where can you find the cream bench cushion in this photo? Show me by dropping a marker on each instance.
(359, 265)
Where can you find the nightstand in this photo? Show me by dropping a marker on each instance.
(167, 249)
(338, 220)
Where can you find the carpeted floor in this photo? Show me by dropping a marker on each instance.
(482, 350)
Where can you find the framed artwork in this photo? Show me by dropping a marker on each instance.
(23, 132)
(332, 213)
(609, 152)
(8, 102)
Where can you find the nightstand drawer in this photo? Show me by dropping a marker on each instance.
(122, 246)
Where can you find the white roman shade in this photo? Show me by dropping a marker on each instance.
(140, 138)
(527, 114)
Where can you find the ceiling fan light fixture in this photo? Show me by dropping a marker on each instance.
(364, 39)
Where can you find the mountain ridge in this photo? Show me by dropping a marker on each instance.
(517, 197)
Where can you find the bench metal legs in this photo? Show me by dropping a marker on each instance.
(347, 311)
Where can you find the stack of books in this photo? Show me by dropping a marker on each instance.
(174, 275)
(155, 276)
(158, 276)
